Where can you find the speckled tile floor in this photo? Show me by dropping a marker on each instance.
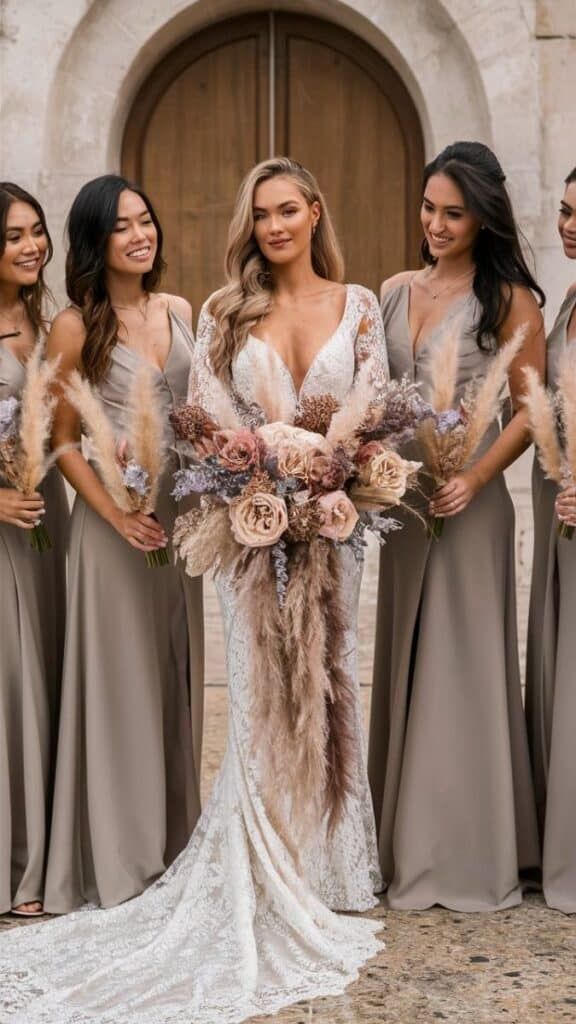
(515, 967)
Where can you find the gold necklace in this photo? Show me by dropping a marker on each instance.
(137, 309)
(447, 287)
(15, 331)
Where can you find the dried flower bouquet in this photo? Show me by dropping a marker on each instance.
(552, 418)
(25, 427)
(450, 437)
(279, 501)
(130, 467)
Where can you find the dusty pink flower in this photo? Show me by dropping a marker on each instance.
(237, 450)
(329, 473)
(258, 520)
(384, 476)
(340, 516)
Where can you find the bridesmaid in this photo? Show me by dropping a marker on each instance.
(550, 694)
(32, 609)
(448, 759)
(126, 794)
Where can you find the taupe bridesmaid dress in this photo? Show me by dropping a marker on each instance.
(551, 671)
(127, 791)
(32, 622)
(448, 759)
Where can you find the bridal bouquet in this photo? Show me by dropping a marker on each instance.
(25, 426)
(280, 501)
(552, 418)
(450, 437)
(131, 468)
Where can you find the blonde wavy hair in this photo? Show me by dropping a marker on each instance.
(247, 296)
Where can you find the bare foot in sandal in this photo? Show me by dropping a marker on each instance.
(34, 909)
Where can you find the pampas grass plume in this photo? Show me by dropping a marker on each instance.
(36, 418)
(80, 394)
(145, 429)
(444, 370)
(542, 421)
(567, 391)
(354, 409)
(487, 397)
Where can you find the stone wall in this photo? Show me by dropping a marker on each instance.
(502, 71)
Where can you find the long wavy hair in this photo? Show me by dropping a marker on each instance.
(35, 297)
(91, 221)
(497, 254)
(247, 296)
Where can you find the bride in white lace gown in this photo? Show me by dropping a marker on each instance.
(234, 928)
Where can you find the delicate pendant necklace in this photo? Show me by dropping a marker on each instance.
(137, 309)
(447, 287)
(15, 328)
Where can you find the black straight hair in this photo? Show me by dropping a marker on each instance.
(91, 221)
(497, 254)
(34, 296)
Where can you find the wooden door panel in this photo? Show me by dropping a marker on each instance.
(201, 121)
(202, 133)
(341, 114)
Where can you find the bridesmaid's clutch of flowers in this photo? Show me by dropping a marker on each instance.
(552, 417)
(25, 426)
(131, 467)
(329, 475)
(451, 435)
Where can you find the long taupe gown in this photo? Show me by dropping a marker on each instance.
(551, 671)
(448, 759)
(32, 622)
(126, 795)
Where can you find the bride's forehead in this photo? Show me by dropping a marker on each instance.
(276, 192)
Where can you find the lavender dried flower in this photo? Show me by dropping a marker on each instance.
(9, 410)
(280, 566)
(136, 478)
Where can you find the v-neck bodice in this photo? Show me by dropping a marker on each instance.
(558, 338)
(332, 371)
(12, 373)
(462, 315)
(170, 383)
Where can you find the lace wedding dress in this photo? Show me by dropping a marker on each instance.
(233, 929)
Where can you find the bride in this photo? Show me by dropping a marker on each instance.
(240, 924)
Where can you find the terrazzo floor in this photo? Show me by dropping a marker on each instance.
(515, 967)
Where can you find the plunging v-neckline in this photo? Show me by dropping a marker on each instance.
(298, 390)
(143, 359)
(449, 313)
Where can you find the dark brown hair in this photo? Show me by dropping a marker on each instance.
(34, 296)
(91, 221)
(497, 254)
(571, 177)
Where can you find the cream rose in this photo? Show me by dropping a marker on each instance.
(293, 461)
(258, 520)
(384, 477)
(340, 516)
(282, 435)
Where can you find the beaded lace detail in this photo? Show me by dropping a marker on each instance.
(232, 929)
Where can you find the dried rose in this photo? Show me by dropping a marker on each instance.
(385, 473)
(237, 450)
(258, 520)
(340, 516)
(305, 518)
(281, 435)
(329, 473)
(293, 461)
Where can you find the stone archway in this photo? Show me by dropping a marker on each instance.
(448, 59)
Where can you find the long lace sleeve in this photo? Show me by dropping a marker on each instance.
(370, 341)
(201, 375)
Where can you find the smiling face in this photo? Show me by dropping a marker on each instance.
(567, 220)
(283, 220)
(132, 246)
(26, 246)
(450, 229)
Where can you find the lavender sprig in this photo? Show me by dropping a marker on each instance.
(280, 566)
(380, 525)
(207, 477)
(136, 478)
(9, 410)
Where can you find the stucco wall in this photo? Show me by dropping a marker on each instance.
(502, 71)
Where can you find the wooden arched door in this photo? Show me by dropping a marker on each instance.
(262, 84)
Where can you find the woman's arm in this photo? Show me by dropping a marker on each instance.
(66, 340)
(454, 496)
